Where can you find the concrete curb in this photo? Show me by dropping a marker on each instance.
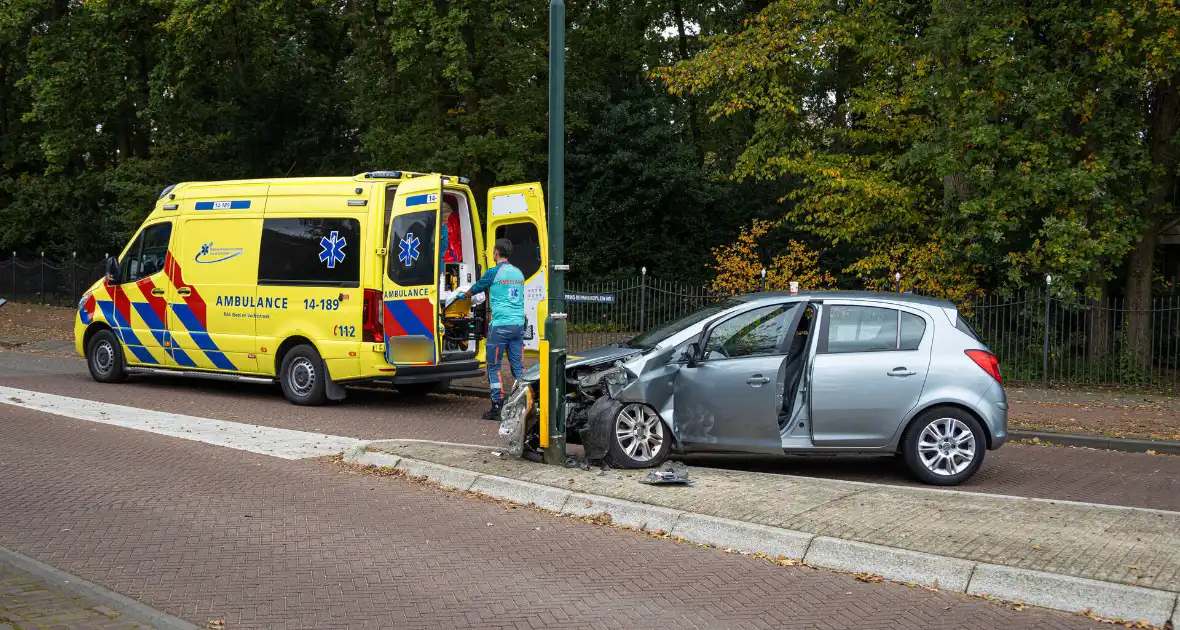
(1048, 590)
(133, 610)
(1130, 445)
(473, 392)
(1063, 592)
(729, 534)
(646, 518)
(891, 563)
(522, 492)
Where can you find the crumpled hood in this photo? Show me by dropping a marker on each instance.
(596, 356)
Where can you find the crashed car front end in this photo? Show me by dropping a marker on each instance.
(597, 388)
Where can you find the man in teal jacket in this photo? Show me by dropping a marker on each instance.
(505, 285)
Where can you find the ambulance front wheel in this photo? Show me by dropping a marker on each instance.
(304, 377)
(104, 357)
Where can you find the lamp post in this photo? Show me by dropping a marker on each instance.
(555, 322)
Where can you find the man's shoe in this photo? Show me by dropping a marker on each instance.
(493, 413)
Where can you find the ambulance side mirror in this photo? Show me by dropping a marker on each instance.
(113, 270)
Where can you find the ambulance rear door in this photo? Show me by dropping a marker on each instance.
(517, 213)
(410, 278)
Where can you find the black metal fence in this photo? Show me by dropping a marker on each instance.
(47, 281)
(607, 312)
(1039, 338)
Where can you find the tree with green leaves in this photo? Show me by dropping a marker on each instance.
(967, 145)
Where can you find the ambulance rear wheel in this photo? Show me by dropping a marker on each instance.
(104, 357)
(304, 377)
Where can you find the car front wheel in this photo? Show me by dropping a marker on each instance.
(639, 438)
(944, 446)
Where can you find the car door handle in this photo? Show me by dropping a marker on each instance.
(184, 291)
(901, 372)
(757, 380)
(157, 291)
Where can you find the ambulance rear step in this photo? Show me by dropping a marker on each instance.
(262, 380)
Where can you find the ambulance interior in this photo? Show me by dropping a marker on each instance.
(461, 322)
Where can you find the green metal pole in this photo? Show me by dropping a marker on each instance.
(555, 322)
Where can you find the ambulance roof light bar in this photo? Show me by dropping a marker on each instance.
(406, 175)
(166, 191)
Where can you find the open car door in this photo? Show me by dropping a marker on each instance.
(732, 398)
(517, 213)
(410, 282)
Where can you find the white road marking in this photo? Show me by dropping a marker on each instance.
(284, 443)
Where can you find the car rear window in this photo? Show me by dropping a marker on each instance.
(913, 328)
(962, 324)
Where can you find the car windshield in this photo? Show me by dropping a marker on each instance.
(653, 336)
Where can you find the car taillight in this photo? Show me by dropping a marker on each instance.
(988, 362)
(371, 322)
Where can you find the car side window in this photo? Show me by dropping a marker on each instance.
(147, 255)
(758, 332)
(913, 328)
(861, 329)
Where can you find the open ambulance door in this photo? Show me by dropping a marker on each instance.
(410, 277)
(517, 213)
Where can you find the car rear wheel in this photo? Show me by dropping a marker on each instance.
(639, 439)
(303, 376)
(104, 357)
(944, 446)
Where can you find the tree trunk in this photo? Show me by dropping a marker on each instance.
(1163, 120)
(3, 95)
(1139, 276)
(1098, 326)
(690, 101)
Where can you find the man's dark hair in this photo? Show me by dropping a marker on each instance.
(504, 247)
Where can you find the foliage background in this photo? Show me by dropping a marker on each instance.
(970, 146)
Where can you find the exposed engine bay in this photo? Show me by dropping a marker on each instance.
(590, 408)
(596, 392)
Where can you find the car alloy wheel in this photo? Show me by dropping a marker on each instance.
(639, 432)
(947, 447)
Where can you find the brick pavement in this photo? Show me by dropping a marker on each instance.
(29, 604)
(1131, 479)
(205, 533)
(1110, 544)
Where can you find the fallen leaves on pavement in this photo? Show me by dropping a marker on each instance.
(1089, 613)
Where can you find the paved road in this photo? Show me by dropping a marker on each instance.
(209, 533)
(1131, 479)
(29, 602)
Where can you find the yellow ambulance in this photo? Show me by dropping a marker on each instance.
(311, 282)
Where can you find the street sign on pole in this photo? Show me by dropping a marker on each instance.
(553, 434)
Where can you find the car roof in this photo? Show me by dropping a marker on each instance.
(876, 296)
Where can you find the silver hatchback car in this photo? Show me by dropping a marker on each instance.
(775, 373)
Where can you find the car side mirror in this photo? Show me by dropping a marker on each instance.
(691, 354)
(113, 270)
